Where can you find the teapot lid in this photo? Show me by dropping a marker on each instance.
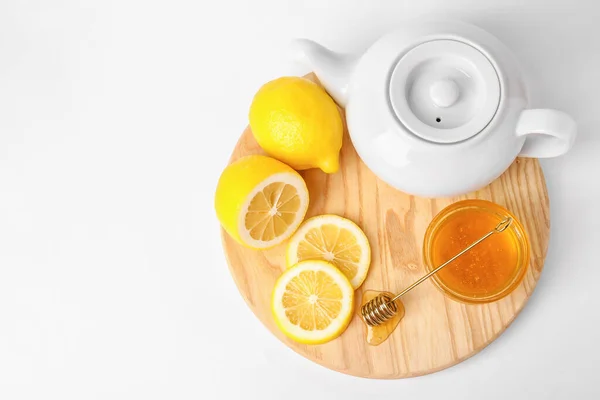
(444, 91)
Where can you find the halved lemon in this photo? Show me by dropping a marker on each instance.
(260, 201)
(334, 239)
(312, 302)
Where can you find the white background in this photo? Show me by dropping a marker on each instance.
(116, 118)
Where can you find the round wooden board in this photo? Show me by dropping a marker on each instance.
(436, 331)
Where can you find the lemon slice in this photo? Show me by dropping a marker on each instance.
(260, 201)
(312, 302)
(334, 239)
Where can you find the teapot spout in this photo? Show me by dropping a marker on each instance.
(334, 70)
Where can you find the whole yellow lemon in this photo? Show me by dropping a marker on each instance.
(295, 121)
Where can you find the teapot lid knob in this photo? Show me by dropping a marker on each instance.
(444, 92)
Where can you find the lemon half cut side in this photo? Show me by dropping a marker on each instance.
(260, 201)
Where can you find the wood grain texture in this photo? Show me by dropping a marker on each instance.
(436, 332)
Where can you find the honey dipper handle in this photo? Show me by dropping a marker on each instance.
(501, 227)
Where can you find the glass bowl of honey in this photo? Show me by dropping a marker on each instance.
(489, 271)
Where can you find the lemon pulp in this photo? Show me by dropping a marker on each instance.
(272, 211)
(312, 300)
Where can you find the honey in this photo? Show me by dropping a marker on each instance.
(488, 270)
(378, 334)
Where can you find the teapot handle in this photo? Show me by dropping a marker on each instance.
(548, 133)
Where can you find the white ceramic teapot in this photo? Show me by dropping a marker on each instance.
(437, 108)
